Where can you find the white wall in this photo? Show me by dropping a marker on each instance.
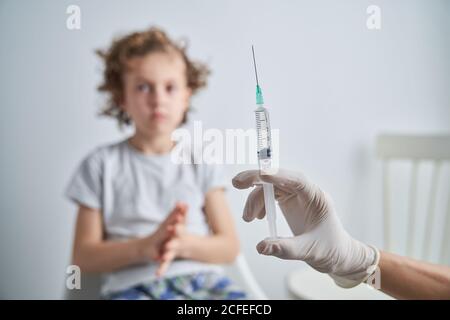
(331, 83)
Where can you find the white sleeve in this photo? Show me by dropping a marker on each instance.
(213, 177)
(85, 187)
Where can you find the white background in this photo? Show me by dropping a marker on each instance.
(332, 85)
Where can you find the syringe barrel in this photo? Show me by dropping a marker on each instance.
(264, 148)
(264, 140)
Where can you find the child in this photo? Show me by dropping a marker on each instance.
(155, 229)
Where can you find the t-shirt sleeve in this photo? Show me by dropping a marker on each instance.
(85, 186)
(213, 177)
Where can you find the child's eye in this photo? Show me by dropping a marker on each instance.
(143, 87)
(170, 88)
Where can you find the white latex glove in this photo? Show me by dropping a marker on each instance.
(319, 237)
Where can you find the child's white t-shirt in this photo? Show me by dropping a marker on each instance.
(135, 193)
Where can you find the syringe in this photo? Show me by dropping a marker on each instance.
(264, 147)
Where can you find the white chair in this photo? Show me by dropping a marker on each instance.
(418, 150)
(239, 271)
(310, 284)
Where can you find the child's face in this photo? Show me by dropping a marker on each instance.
(156, 95)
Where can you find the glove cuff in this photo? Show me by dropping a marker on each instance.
(353, 280)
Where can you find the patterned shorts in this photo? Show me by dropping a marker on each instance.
(198, 286)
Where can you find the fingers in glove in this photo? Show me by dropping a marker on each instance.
(287, 181)
(254, 206)
(246, 179)
(283, 248)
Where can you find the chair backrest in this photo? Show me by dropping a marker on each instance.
(239, 271)
(417, 150)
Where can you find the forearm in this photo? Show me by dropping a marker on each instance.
(405, 278)
(212, 249)
(107, 256)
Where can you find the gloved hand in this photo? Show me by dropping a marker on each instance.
(319, 237)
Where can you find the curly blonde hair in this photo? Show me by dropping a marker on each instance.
(139, 44)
